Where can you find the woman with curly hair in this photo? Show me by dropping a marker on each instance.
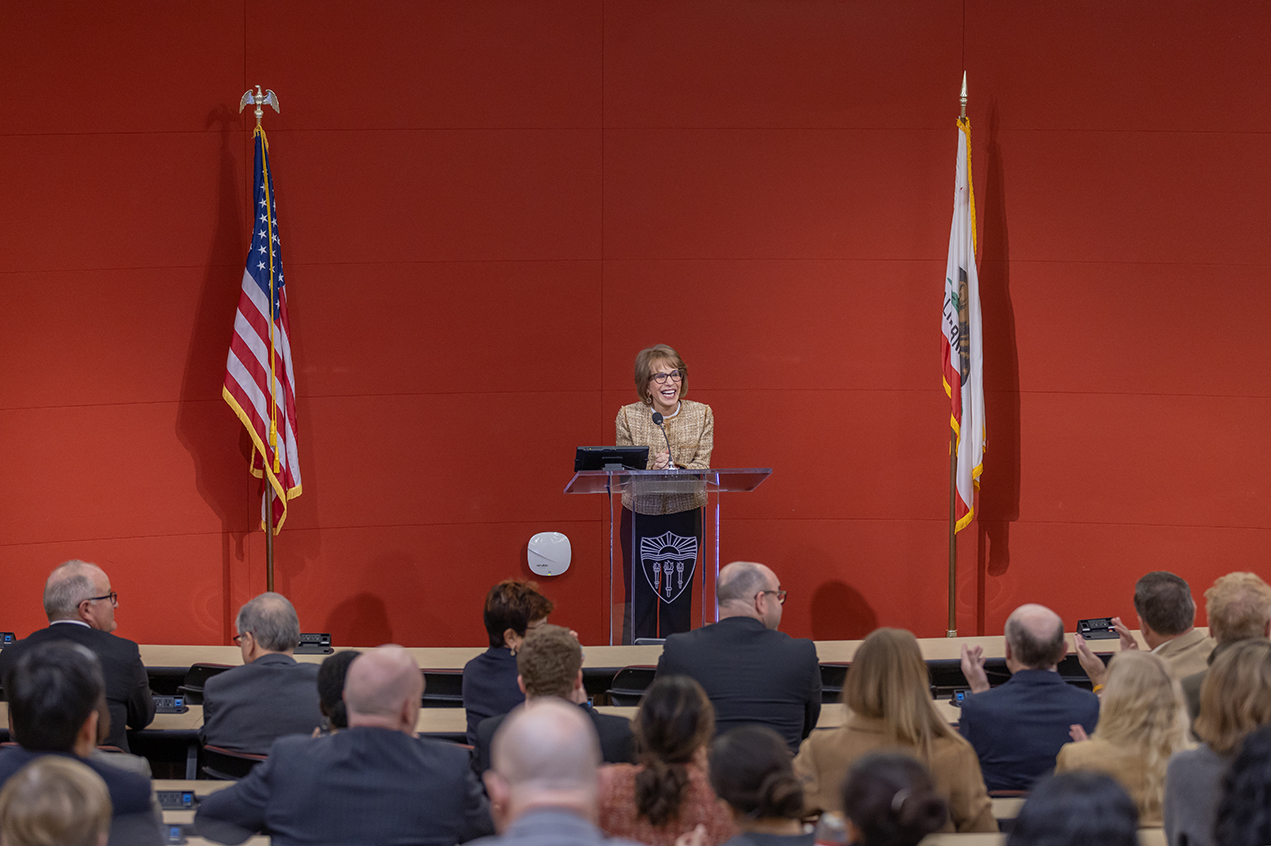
(1142, 722)
(668, 793)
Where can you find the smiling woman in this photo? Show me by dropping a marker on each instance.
(662, 532)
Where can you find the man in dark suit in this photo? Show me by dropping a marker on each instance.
(54, 689)
(249, 707)
(81, 606)
(1018, 727)
(752, 673)
(550, 663)
(374, 782)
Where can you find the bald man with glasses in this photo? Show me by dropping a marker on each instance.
(80, 606)
(752, 673)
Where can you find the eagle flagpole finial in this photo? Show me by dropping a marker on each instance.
(268, 98)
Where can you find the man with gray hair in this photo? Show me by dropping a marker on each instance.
(1238, 606)
(1018, 727)
(247, 708)
(80, 606)
(752, 673)
(374, 782)
(543, 785)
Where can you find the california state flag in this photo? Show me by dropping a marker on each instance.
(962, 350)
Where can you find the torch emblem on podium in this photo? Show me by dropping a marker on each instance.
(668, 562)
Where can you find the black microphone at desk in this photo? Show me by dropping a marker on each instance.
(657, 421)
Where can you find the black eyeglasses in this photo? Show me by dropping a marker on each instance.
(238, 639)
(660, 378)
(112, 596)
(781, 594)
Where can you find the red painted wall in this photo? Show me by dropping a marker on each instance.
(488, 207)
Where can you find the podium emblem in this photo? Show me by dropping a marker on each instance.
(668, 562)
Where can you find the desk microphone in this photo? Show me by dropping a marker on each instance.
(657, 421)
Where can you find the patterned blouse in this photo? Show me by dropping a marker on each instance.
(691, 431)
(619, 818)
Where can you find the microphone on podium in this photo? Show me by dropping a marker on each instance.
(657, 421)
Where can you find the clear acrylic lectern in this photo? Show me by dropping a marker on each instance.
(664, 482)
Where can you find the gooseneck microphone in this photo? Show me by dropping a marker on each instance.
(657, 421)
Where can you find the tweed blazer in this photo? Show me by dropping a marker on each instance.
(691, 432)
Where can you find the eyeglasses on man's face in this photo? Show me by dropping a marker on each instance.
(112, 596)
(780, 594)
(660, 378)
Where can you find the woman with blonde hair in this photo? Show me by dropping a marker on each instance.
(1235, 699)
(888, 697)
(1142, 722)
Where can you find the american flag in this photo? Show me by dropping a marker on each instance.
(261, 346)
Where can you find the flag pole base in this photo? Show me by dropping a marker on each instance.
(951, 633)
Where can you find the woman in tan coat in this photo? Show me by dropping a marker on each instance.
(890, 708)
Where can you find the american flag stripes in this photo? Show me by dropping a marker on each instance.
(260, 352)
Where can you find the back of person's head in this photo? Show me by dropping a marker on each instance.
(1035, 635)
(1076, 809)
(548, 661)
(70, 583)
(513, 604)
(54, 801)
(381, 685)
(674, 721)
(546, 751)
(52, 690)
(331, 687)
(1244, 811)
(740, 581)
(1143, 709)
(1235, 697)
(888, 680)
(272, 620)
(1238, 606)
(891, 800)
(751, 769)
(1164, 601)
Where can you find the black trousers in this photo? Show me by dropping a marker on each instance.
(659, 564)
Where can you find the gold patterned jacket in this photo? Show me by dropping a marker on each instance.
(692, 435)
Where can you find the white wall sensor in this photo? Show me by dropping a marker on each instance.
(549, 553)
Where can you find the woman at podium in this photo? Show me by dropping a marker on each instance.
(661, 530)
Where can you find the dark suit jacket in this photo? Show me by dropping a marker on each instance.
(489, 687)
(1191, 684)
(1018, 727)
(133, 821)
(752, 674)
(127, 687)
(249, 707)
(614, 732)
(359, 785)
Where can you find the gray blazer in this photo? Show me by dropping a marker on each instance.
(249, 707)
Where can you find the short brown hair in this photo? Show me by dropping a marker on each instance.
(644, 361)
(549, 660)
(1238, 606)
(513, 604)
(54, 799)
(1235, 697)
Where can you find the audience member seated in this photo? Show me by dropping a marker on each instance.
(551, 665)
(889, 800)
(1238, 606)
(890, 707)
(1166, 611)
(81, 608)
(750, 770)
(54, 689)
(669, 792)
(1018, 727)
(1142, 722)
(1244, 812)
(751, 672)
(1076, 809)
(331, 673)
(272, 695)
(374, 782)
(543, 783)
(512, 608)
(54, 801)
(1235, 700)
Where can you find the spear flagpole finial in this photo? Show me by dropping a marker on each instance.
(259, 98)
(963, 97)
